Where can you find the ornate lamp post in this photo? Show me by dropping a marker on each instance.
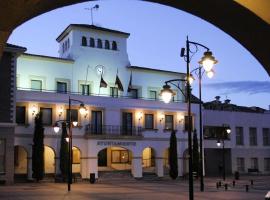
(56, 128)
(207, 63)
(226, 130)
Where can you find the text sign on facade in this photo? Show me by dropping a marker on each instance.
(115, 143)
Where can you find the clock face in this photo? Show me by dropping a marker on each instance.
(100, 70)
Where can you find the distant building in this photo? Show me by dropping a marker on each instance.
(247, 148)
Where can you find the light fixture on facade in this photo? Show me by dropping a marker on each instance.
(228, 130)
(140, 116)
(218, 143)
(82, 109)
(34, 110)
(208, 61)
(60, 111)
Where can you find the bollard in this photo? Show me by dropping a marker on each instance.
(233, 183)
(246, 188)
(226, 186)
(217, 185)
(251, 182)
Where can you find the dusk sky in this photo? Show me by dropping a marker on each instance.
(157, 35)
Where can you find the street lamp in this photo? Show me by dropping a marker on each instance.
(226, 130)
(207, 62)
(69, 122)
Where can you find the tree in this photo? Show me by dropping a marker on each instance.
(38, 149)
(64, 154)
(195, 152)
(173, 160)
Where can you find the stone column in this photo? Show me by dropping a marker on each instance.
(84, 167)
(29, 164)
(159, 166)
(137, 167)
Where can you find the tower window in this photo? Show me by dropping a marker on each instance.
(99, 43)
(107, 44)
(84, 41)
(92, 42)
(114, 46)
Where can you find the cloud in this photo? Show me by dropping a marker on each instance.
(250, 87)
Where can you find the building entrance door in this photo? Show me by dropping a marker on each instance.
(127, 123)
(96, 122)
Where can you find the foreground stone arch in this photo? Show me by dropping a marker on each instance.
(244, 20)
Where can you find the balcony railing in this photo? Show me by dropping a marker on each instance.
(92, 94)
(112, 130)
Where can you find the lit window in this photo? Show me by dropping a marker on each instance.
(20, 114)
(36, 85)
(46, 116)
(92, 42)
(120, 156)
(99, 43)
(75, 155)
(61, 87)
(114, 45)
(107, 44)
(149, 121)
(84, 41)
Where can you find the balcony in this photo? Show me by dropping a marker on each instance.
(112, 131)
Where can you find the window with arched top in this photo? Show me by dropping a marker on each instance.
(99, 43)
(63, 47)
(114, 45)
(68, 43)
(107, 44)
(92, 42)
(84, 41)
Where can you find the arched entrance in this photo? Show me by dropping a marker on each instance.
(20, 162)
(185, 162)
(49, 161)
(166, 161)
(148, 160)
(76, 160)
(114, 159)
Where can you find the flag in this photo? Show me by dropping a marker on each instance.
(118, 82)
(130, 82)
(102, 83)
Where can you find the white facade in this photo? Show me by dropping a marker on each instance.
(78, 65)
(242, 146)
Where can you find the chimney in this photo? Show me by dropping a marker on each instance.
(227, 101)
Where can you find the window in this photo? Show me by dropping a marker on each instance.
(75, 155)
(134, 93)
(68, 43)
(266, 136)
(252, 136)
(149, 121)
(239, 136)
(61, 87)
(63, 47)
(99, 43)
(107, 44)
(254, 163)
(85, 89)
(74, 115)
(113, 91)
(169, 122)
(240, 164)
(36, 85)
(20, 115)
(120, 156)
(153, 95)
(114, 45)
(2, 156)
(267, 164)
(92, 42)
(187, 123)
(84, 41)
(46, 116)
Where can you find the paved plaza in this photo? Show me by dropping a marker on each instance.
(123, 189)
